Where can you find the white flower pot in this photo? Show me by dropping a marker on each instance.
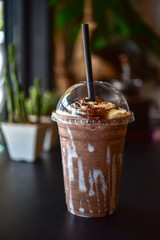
(51, 135)
(24, 141)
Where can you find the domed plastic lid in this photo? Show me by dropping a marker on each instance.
(110, 106)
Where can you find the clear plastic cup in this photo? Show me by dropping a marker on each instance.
(92, 151)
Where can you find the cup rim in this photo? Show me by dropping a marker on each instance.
(82, 121)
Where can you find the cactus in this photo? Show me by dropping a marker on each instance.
(20, 114)
(19, 107)
(34, 102)
(10, 99)
(49, 102)
(41, 103)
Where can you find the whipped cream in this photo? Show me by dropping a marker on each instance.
(114, 112)
(98, 110)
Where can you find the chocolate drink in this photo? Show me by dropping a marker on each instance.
(92, 159)
(92, 138)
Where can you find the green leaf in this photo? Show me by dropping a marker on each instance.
(122, 27)
(69, 12)
(53, 2)
(99, 43)
(74, 32)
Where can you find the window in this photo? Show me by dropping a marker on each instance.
(2, 60)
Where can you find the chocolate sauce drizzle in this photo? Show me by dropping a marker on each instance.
(85, 109)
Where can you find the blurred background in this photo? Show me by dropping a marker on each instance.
(125, 46)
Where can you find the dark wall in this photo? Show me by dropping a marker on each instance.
(28, 25)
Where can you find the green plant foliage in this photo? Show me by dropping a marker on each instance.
(16, 101)
(1, 17)
(53, 2)
(10, 98)
(40, 103)
(116, 21)
(49, 102)
(69, 11)
(34, 102)
(19, 107)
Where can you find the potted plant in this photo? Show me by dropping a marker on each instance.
(24, 139)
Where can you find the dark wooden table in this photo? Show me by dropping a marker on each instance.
(32, 201)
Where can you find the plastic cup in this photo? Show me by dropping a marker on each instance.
(91, 152)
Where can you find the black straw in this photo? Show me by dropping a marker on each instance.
(88, 64)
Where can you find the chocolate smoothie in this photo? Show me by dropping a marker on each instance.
(92, 147)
